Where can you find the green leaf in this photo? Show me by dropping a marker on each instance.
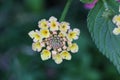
(87, 1)
(101, 31)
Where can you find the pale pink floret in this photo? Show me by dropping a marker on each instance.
(59, 49)
(54, 32)
(48, 48)
(54, 52)
(42, 44)
(64, 43)
(64, 39)
(64, 47)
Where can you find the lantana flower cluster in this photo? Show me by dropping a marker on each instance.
(116, 20)
(54, 40)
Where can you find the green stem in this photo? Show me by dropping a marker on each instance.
(105, 5)
(65, 10)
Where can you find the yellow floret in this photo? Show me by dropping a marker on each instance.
(36, 46)
(64, 26)
(116, 31)
(73, 47)
(43, 24)
(45, 54)
(45, 33)
(73, 34)
(66, 55)
(116, 19)
(53, 23)
(57, 58)
(35, 35)
(77, 31)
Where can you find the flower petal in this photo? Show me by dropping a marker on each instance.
(52, 18)
(77, 31)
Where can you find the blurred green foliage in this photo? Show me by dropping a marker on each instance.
(19, 62)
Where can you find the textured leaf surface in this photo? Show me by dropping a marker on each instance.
(101, 31)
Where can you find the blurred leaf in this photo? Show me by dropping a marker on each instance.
(35, 5)
(20, 73)
(101, 31)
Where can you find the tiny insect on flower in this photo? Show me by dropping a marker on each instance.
(56, 38)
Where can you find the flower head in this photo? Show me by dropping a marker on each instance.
(56, 38)
(116, 20)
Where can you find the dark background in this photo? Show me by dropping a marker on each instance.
(19, 62)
